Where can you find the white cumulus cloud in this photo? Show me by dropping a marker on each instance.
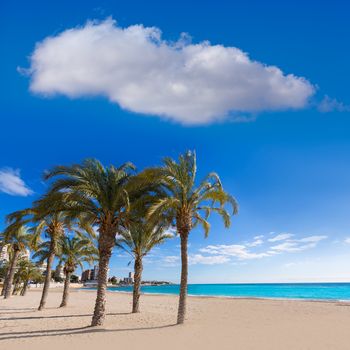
(11, 183)
(134, 67)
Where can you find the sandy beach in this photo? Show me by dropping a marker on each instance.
(212, 323)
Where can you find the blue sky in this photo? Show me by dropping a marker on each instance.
(280, 144)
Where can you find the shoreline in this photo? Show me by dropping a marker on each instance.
(334, 301)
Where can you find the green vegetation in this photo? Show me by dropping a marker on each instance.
(128, 210)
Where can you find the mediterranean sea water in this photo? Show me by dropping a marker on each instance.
(307, 291)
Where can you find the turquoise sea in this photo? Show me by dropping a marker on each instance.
(307, 291)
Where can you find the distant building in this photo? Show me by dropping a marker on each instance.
(59, 272)
(42, 267)
(91, 274)
(128, 280)
(95, 273)
(4, 254)
(86, 275)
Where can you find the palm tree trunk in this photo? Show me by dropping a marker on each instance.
(106, 243)
(4, 286)
(11, 274)
(184, 274)
(16, 287)
(65, 295)
(48, 276)
(24, 288)
(5, 282)
(137, 283)
(6, 275)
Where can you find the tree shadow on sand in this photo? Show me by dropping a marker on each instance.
(23, 310)
(17, 311)
(56, 316)
(72, 331)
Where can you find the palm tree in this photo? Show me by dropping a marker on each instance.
(51, 223)
(27, 271)
(186, 206)
(4, 270)
(2, 242)
(138, 240)
(5, 264)
(73, 252)
(102, 195)
(19, 240)
(42, 255)
(22, 265)
(17, 277)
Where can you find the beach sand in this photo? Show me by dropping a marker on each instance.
(212, 323)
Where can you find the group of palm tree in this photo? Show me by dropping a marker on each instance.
(89, 205)
(20, 271)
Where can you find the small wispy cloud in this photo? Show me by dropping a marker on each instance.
(312, 239)
(259, 237)
(281, 237)
(207, 260)
(171, 231)
(234, 254)
(248, 251)
(255, 243)
(347, 240)
(12, 184)
(287, 247)
(239, 251)
(170, 260)
(329, 104)
(298, 245)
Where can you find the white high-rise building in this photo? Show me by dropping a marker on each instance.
(96, 272)
(4, 254)
(59, 271)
